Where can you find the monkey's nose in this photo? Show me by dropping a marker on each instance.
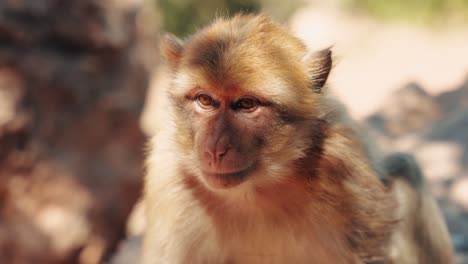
(214, 155)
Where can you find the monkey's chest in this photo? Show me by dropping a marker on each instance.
(276, 244)
(268, 248)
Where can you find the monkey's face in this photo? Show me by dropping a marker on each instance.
(229, 131)
(239, 131)
(243, 104)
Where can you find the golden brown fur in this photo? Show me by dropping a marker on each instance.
(312, 193)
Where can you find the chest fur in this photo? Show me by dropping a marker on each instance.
(262, 238)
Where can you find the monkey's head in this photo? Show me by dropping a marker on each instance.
(246, 94)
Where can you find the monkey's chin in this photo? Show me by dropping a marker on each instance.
(226, 180)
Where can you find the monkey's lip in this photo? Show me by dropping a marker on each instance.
(227, 180)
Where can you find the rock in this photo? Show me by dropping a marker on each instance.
(452, 128)
(434, 128)
(72, 87)
(440, 161)
(408, 110)
(454, 100)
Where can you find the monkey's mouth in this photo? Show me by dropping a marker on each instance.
(227, 180)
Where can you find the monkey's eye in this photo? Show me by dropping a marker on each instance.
(247, 103)
(204, 100)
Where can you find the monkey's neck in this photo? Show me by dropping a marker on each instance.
(276, 215)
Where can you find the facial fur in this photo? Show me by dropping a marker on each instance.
(231, 64)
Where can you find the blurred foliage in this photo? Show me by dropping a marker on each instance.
(423, 11)
(183, 17)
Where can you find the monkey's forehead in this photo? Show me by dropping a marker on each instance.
(254, 38)
(245, 48)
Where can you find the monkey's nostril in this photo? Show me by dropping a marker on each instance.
(223, 153)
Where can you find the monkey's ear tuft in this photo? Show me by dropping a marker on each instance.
(171, 49)
(319, 65)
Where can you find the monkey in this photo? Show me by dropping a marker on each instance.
(421, 236)
(255, 161)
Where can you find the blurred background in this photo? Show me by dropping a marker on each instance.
(77, 82)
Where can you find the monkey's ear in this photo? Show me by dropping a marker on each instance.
(171, 49)
(319, 66)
